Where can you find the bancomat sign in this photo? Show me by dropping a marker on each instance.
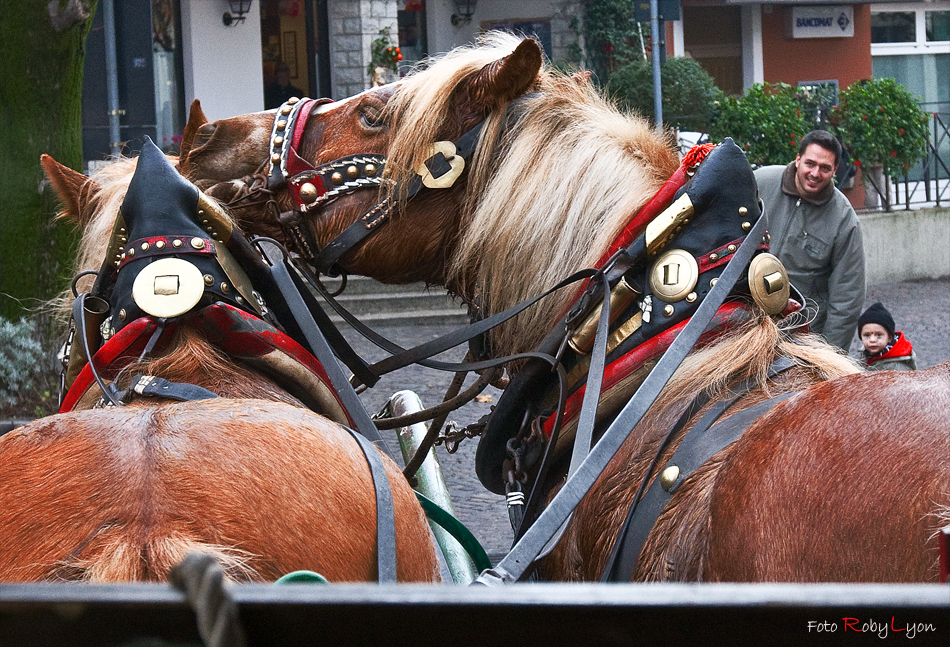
(821, 22)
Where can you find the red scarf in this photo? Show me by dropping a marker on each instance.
(899, 348)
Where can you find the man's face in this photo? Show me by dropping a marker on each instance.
(815, 168)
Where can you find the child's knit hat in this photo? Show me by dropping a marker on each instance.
(877, 314)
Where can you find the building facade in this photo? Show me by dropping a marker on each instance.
(168, 53)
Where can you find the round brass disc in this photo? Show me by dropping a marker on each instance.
(674, 275)
(768, 282)
(168, 287)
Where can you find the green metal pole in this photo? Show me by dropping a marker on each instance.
(431, 483)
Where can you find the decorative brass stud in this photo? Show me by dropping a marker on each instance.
(131, 252)
(281, 124)
(122, 314)
(713, 281)
(123, 239)
(177, 243)
(275, 158)
(293, 100)
(308, 193)
(337, 178)
(746, 226)
(239, 299)
(278, 141)
(732, 249)
(209, 280)
(285, 110)
(668, 310)
(198, 243)
(225, 287)
(691, 297)
(743, 211)
(160, 244)
(714, 257)
(668, 477)
(370, 170)
(352, 172)
(144, 247)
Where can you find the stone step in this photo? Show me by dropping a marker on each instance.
(377, 303)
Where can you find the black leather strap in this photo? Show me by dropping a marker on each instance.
(161, 388)
(519, 560)
(695, 450)
(380, 214)
(385, 511)
(280, 270)
(645, 510)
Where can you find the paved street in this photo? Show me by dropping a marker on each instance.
(920, 309)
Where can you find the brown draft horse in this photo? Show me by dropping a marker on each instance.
(253, 478)
(846, 481)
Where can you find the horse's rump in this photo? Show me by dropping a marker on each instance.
(121, 493)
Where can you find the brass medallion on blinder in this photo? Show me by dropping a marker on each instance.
(768, 283)
(674, 275)
(168, 287)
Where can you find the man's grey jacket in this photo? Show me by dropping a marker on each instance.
(819, 242)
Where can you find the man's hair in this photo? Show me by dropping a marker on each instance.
(824, 139)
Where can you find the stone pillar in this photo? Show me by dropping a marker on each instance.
(567, 41)
(354, 25)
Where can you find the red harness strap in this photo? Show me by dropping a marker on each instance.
(238, 334)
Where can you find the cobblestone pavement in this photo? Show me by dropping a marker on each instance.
(920, 309)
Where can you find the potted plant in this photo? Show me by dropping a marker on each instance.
(384, 58)
(882, 125)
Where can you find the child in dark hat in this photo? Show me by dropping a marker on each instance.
(884, 348)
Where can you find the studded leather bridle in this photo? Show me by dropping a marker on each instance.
(314, 188)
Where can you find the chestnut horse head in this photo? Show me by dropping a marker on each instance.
(234, 465)
(549, 148)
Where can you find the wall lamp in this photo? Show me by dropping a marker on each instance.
(238, 10)
(465, 9)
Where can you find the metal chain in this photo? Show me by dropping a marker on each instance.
(453, 435)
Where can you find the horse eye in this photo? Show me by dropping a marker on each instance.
(371, 117)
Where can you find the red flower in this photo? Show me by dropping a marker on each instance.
(864, 116)
(881, 109)
(906, 165)
(900, 131)
(894, 153)
(857, 162)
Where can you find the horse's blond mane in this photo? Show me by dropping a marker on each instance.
(545, 197)
(751, 348)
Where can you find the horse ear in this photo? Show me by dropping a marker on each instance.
(507, 78)
(74, 189)
(196, 119)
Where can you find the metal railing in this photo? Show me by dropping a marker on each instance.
(928, 184)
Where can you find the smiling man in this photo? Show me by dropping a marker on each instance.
(816, 234)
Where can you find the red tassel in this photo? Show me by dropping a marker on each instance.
(696, 155)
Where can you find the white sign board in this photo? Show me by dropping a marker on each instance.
(822, 21)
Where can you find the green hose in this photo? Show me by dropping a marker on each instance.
(455, 528)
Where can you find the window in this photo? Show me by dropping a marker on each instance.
(893, 27)
(937, 25)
